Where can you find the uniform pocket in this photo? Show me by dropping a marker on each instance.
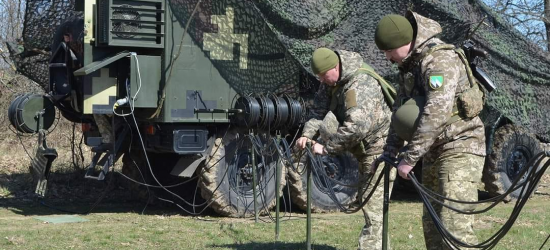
(465, 167)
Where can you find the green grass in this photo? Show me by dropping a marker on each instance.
(118, 226)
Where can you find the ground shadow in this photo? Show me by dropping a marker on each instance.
(270, 246)
(71, 193)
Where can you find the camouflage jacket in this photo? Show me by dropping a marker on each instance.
(359, 107)
(439, 76)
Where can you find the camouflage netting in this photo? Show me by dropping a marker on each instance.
(32, 53)
(283, 34)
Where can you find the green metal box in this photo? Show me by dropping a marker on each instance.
(144, 80)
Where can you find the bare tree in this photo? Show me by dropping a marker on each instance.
(12, 14)
(530, 17)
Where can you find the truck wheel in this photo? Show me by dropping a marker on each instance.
(513, 148)
(226, 179)
(341, 168)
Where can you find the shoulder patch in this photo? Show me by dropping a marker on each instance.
(436, 81)
(351, 99)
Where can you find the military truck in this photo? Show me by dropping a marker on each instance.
(200, 89)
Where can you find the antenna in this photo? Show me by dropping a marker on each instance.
(470, 34)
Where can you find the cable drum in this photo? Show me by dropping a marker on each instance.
(267, 115)
(29, 113)
(250, 114)
(12, 110)
(281, 111)
(296, 112)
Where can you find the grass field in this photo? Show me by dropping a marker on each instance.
(121, 226)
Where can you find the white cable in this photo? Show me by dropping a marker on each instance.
(134, 55)
(131, 101)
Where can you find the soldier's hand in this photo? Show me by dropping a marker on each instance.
(375, 163)
(403, 169)
(319, 149)
(301, 142)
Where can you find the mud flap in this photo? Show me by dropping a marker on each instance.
(42, 163)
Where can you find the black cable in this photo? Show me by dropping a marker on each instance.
(158, 182)
(497, 199)
(449, 238)
(206, 203)
(251, 111)
(314, 164)
(528, 187)
(281, 111)
(544, 243)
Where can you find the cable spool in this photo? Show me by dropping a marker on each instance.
(29, 113)
(296, 112)
(13, 108)
(267, 115)
(281, 111)
(251, 111)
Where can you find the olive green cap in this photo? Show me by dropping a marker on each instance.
(393, 31)
(406, 118)
(323, 59)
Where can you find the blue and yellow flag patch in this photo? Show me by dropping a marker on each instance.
(436, 81)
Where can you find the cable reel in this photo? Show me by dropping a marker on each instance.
(29, 113)
(267, 115)
(269, 112)
(281, 111)
(296, 112)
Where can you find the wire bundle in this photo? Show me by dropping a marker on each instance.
(296, 111)
(269, 112)
(281, 111)
(251, 111)
(527, 186)
(267, 115)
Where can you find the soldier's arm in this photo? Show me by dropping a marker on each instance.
(440, 65)
(319, 109)
(360, 117)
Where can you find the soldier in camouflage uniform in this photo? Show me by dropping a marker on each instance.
(350, 114)
(453, 150)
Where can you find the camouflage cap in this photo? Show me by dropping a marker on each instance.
(393, 31)
(323, 59)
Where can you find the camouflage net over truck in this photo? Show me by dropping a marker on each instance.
(278, 56)
(272, 41)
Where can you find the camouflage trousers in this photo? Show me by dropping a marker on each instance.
(454, 176)
(371, 234)
(103, 123)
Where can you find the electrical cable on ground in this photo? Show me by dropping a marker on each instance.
(527, 188)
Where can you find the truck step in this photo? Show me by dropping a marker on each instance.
(104, 159)
(105, 155)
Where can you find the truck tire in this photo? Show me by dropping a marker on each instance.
(343, 168)
(512, 149)
(226, 178)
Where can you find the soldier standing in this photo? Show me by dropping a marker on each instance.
(350, 114)
(451, 144)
